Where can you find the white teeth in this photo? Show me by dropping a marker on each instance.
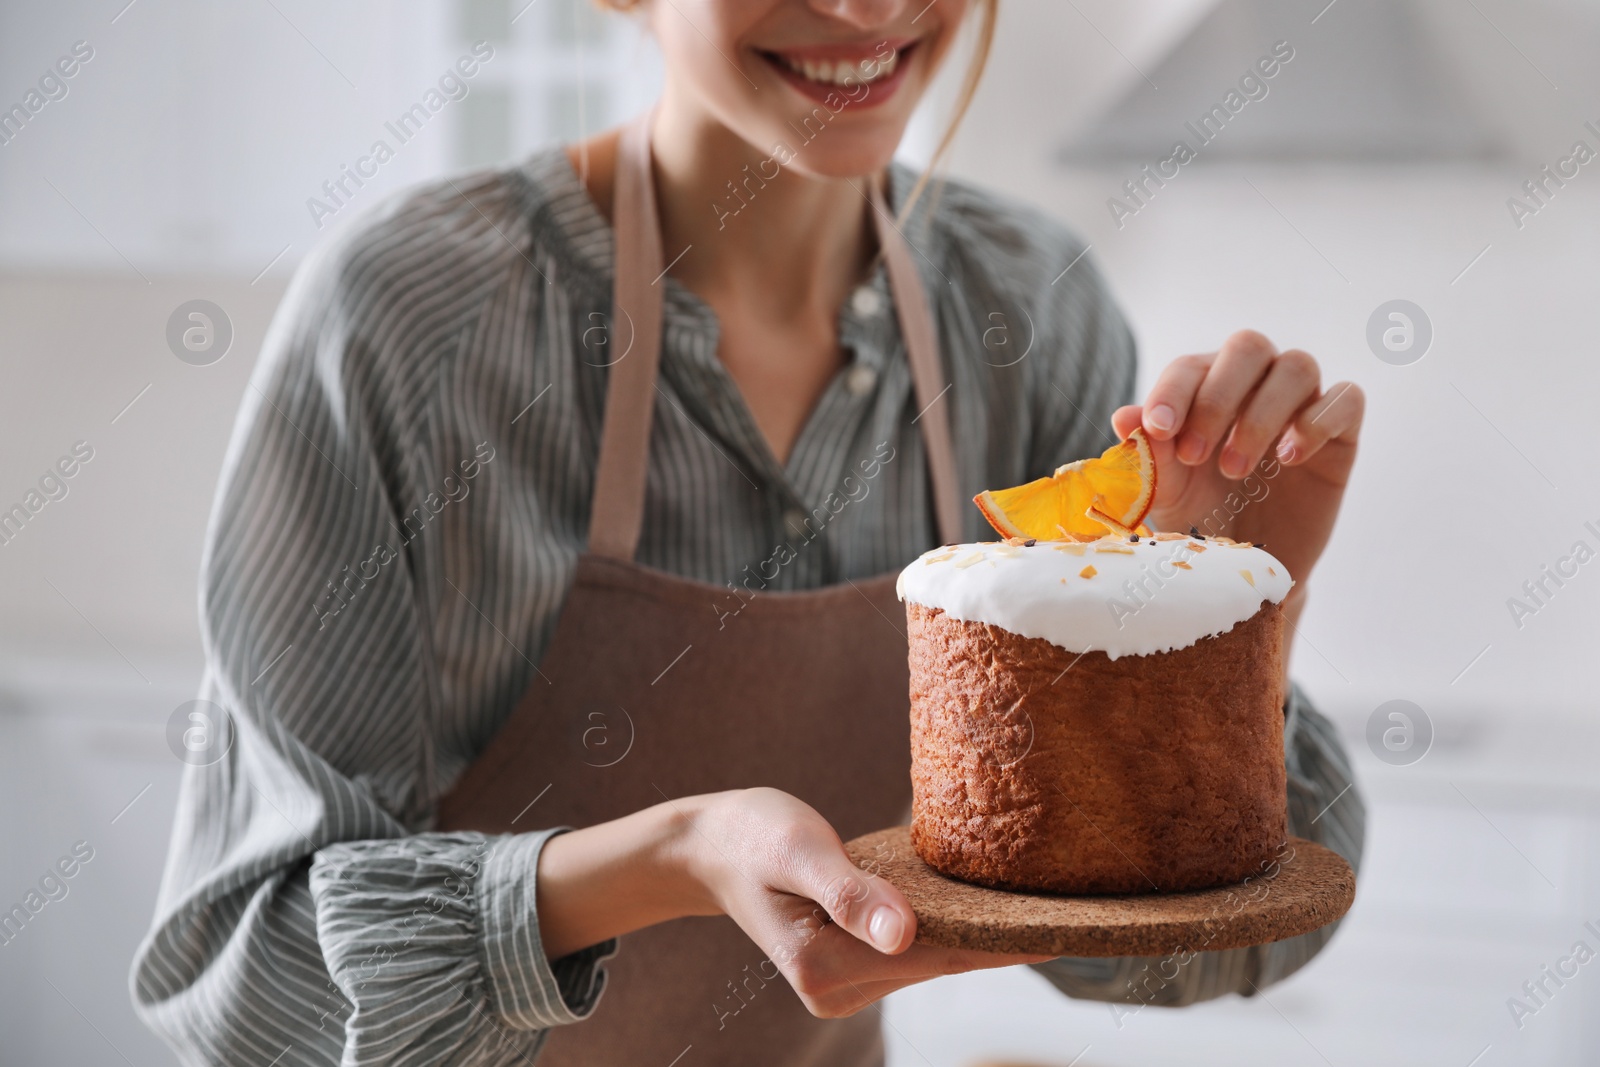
(872, 69)
(843, 72)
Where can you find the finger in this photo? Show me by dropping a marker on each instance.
(1293, 379)
(846, 996)
(864, 905)
(821, 957)
(1335, 416)
(960, 960)
(854, 997)
(921, 964)
(1125, 419)
(1168, 403)
(1239, 368)
(828, 967)
(835, 974)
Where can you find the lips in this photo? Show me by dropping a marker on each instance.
(821, 71)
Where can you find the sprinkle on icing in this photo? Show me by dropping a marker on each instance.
(1156, 595)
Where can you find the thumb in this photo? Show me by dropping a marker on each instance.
(862, 904)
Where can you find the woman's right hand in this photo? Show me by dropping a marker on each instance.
(841, 936)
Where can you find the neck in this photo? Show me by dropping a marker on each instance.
(788, 243)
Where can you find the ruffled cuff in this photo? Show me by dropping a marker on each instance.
(527, 990)
(433, 941)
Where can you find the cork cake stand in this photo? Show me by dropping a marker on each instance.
(1311, 888)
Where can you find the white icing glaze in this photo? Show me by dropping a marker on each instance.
(1137, 602)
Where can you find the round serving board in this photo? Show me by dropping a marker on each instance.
(1311, 888)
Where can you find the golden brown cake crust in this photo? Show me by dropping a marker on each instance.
(1036, 768)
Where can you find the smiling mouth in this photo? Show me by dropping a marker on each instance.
(842, 70)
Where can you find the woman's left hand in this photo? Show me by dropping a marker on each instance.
(1249, 445)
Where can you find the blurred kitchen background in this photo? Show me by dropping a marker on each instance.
(1378, 167)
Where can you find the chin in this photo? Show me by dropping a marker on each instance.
(846, 154)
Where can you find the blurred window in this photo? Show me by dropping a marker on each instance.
(483, 128)
(562, 70)
(484, 20)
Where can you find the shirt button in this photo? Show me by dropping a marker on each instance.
(866, 301)
(860, 379)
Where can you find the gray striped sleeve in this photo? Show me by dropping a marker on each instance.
(1325, 807)
(303, 919)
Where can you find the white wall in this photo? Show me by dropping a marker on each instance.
(198, 132)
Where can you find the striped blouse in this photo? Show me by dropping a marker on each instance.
(401, 510)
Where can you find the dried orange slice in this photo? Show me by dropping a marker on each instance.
(1081, 501)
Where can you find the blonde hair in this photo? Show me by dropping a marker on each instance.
(986, 12)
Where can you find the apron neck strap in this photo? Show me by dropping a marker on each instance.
(921, 339)
(617, 514)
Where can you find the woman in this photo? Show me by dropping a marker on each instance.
(564, 495)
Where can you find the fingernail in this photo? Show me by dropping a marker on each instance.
(1161, 417)
(1286, 450)
(884, 928)
(1232, 464)
(1191, 448)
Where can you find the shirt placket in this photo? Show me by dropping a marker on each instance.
(792, 494)
(710, 398)
(826, 450)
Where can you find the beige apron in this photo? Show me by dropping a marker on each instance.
(647, 693)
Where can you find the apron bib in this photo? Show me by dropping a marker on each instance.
(646, 693)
